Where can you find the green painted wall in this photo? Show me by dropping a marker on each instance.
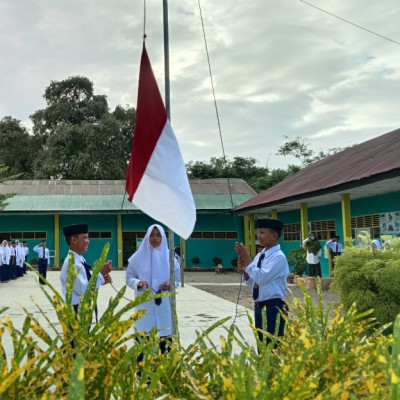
(96, 223)
(37, 223)
(207, 249)
(377, 204)
(371, 205)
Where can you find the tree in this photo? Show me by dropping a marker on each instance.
(299, 148)
(4, 176)
(245, 168)
(76, 135)
(15, 148)
(240, 167)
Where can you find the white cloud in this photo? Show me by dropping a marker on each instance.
(279, 68)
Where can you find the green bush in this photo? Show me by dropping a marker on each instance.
(196, 261)
(297, 260)
(217, 260)
(323, 355)
(371, 279)
(234, 262)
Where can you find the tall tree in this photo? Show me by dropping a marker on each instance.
(300, 149)
(240, 167)
(76, 135)
(15, 147)
(5, 176)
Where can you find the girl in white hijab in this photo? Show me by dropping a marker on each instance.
(148, 268)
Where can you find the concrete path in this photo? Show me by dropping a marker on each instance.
(196, 310)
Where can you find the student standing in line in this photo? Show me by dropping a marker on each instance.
(335, 248)
(43, 259)
(313, 258)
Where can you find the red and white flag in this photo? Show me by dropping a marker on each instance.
(156, 179)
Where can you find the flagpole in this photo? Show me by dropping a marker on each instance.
(168, 108)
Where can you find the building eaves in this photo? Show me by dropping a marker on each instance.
(377, 159)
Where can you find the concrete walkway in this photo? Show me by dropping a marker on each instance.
(196, 310)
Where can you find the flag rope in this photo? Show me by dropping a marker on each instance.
(222, 146)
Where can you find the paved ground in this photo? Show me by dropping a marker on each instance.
(228, 286)
(205, 298)
(196, 309)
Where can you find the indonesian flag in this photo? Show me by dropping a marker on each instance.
(156, 179)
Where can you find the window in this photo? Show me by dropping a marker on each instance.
(100, 235)
(292, 232)
(369, 222)
(323, 229)
(214, 235)
(23, 235)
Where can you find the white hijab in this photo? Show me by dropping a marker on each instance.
(151, 264)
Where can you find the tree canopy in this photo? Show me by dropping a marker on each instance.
(77, 137)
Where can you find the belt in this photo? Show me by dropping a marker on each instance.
(270, 303)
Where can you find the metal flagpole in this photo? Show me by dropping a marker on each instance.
(168, 108)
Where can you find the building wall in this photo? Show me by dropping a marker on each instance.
(366, 206)
(32, 223)
(205, 249)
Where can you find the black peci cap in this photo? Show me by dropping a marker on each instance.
(270, 223)
(75, 229)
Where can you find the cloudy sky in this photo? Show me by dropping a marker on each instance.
(280, 67)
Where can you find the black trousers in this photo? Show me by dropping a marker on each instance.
(267, 314)
(42, 270)
(315, 269)
(165, 345)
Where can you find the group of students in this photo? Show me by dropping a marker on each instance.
(149, 270)
(12, 257)
(314, 251)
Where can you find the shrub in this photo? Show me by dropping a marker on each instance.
(371, 279)
(196, 261)
(323, 355)
(217, 260)
(296, 259)
(234, 262)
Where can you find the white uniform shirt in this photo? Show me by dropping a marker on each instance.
(81, 281)
(5, 255)
(20, 255)
(312, 258)
(271, 276)
(335, 246)
(39, 249)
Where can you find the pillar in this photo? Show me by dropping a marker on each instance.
(304, 220)
(346, 217)
(120, 260)
(56, 240)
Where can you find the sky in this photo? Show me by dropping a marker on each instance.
(280, 67)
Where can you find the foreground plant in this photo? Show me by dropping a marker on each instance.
(335, 354)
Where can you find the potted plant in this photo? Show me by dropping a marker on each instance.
(296, 259)
(217, 260)
(196, 261)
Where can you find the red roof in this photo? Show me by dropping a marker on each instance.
(375, 159)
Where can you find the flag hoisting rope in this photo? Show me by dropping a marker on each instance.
(156, 179)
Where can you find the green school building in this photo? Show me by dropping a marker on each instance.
(355, 190)
(41, 208)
